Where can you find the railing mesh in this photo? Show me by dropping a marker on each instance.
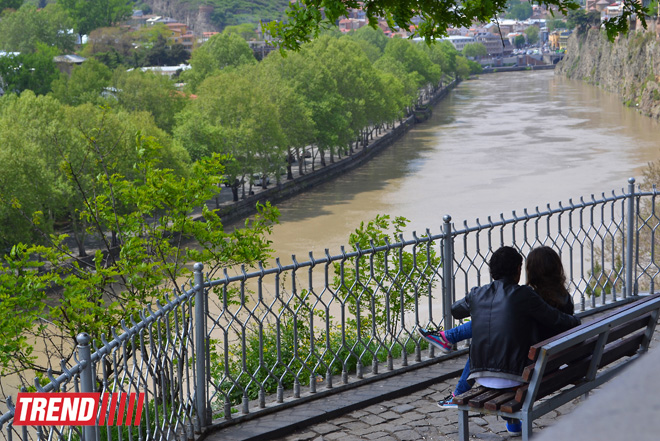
(268, 337)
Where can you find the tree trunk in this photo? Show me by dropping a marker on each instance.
(301, 160)
(234, 190)
(289, 159)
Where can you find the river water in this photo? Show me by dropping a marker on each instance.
(503, 142)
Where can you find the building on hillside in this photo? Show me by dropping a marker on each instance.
(164, 70)
(180, 34)
(351, 24)
(492, 42)
(66, 63)
(206, 36)
(563, 39)
(159, 19)
(459, 41)
(612, 10)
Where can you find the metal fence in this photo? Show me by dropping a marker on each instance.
(250, 343)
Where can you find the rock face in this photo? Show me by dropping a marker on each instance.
(196, 17)
(629, 67)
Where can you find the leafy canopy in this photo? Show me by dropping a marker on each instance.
(306, 18)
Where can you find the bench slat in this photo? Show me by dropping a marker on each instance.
(490, 394)
(495, 403)
(464, 398)
(586, 348)
(534, 351)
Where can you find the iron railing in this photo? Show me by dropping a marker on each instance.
(244, 344)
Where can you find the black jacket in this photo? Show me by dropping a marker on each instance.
(506, 320)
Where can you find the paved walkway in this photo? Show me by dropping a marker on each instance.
(400, 408)
(403, 408)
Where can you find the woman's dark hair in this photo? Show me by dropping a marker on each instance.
(505, 263)
(545, 273)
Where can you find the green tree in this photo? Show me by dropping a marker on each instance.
(443, 54)
(23, 30)
(414, 59)
(521, 11)
(110, 45)
(372, 41)
(150, 213)
(556, 23)
(85, 85)
(219, 52)
(233, 116)
(463, 68)
(10, 4)
(294, 112)
(582, 20)
(371, 284)
(532, 33)
(34, 71)
(29, 180)
(153, 93)
(519, 41)
(88, 16)
(244, 30)
(475, 50)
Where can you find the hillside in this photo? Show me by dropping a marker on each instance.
(223, 13)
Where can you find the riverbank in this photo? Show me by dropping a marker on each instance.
(231, 211)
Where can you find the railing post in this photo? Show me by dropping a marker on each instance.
(447, 273)
(86, 377)
(200, 346)
(630, 237)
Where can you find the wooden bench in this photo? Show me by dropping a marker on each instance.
(567, 366)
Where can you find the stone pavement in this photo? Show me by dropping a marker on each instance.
(403, 407)
(413, 417)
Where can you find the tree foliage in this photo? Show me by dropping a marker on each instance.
(31, 70)
(475, 50)
(305, 19)
(219, 52)
(375, 285)
(150, 214)
(86, 84)
(532, 33)
(23, 30)
(582, 20)
(90, 15)
(522, 11)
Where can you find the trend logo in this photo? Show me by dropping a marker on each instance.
(78, 409)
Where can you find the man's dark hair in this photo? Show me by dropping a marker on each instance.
(505, 263)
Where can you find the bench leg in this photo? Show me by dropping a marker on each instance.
(526, 428)
(463, 428)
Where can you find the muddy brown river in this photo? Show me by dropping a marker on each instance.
(503, 142)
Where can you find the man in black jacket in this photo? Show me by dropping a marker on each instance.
(506, 320)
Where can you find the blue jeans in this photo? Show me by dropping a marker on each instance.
(454, 335)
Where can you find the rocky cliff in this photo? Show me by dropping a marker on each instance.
(629, 67)
(196, 17)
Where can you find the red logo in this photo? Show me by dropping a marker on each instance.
(78, 409)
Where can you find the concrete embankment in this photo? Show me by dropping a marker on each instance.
(232, 211)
